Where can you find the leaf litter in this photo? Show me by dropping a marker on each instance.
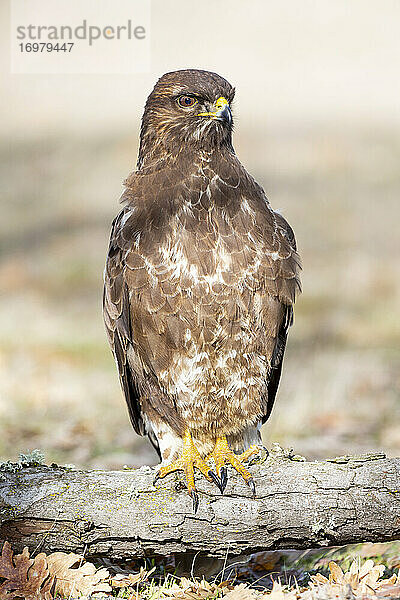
(68, 576)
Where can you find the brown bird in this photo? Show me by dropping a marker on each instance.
(200, 281)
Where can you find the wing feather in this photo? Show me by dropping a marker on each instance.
(116, 312)
(284, 282)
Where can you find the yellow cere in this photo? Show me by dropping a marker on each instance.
(219, 105)
(221, 102)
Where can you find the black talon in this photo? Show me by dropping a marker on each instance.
(195, 500)
(252, 486)
(224, 478)
(156, 478)
(215, 479)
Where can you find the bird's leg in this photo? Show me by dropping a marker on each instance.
(222, 455)
(189, 459)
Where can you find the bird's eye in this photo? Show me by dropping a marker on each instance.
(186, 101)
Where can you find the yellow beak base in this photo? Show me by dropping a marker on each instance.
(220, 104)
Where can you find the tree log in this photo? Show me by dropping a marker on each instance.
(121, 514)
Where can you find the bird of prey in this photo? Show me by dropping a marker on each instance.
(200, 281)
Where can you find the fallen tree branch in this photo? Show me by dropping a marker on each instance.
(120, 514)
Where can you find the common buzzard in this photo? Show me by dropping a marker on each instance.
(200, 281)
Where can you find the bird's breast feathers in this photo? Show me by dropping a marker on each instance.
(206, 292)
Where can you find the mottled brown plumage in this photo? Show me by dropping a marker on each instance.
(200, 279)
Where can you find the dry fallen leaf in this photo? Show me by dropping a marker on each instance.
(337, 575)
(241, 592)
(75, 577)
(265, 561)
(123, 581)
(24, 577)
(361, 581)
(277, 593)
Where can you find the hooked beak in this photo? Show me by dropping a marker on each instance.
(222, 111)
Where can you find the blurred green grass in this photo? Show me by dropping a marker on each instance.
(58, 383)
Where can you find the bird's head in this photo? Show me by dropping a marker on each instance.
(189, 108)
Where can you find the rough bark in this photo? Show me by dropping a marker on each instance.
(120, 514)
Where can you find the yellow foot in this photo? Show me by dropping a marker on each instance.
(189, 459)
(222, 455)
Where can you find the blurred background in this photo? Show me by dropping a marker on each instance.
(317, 123)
